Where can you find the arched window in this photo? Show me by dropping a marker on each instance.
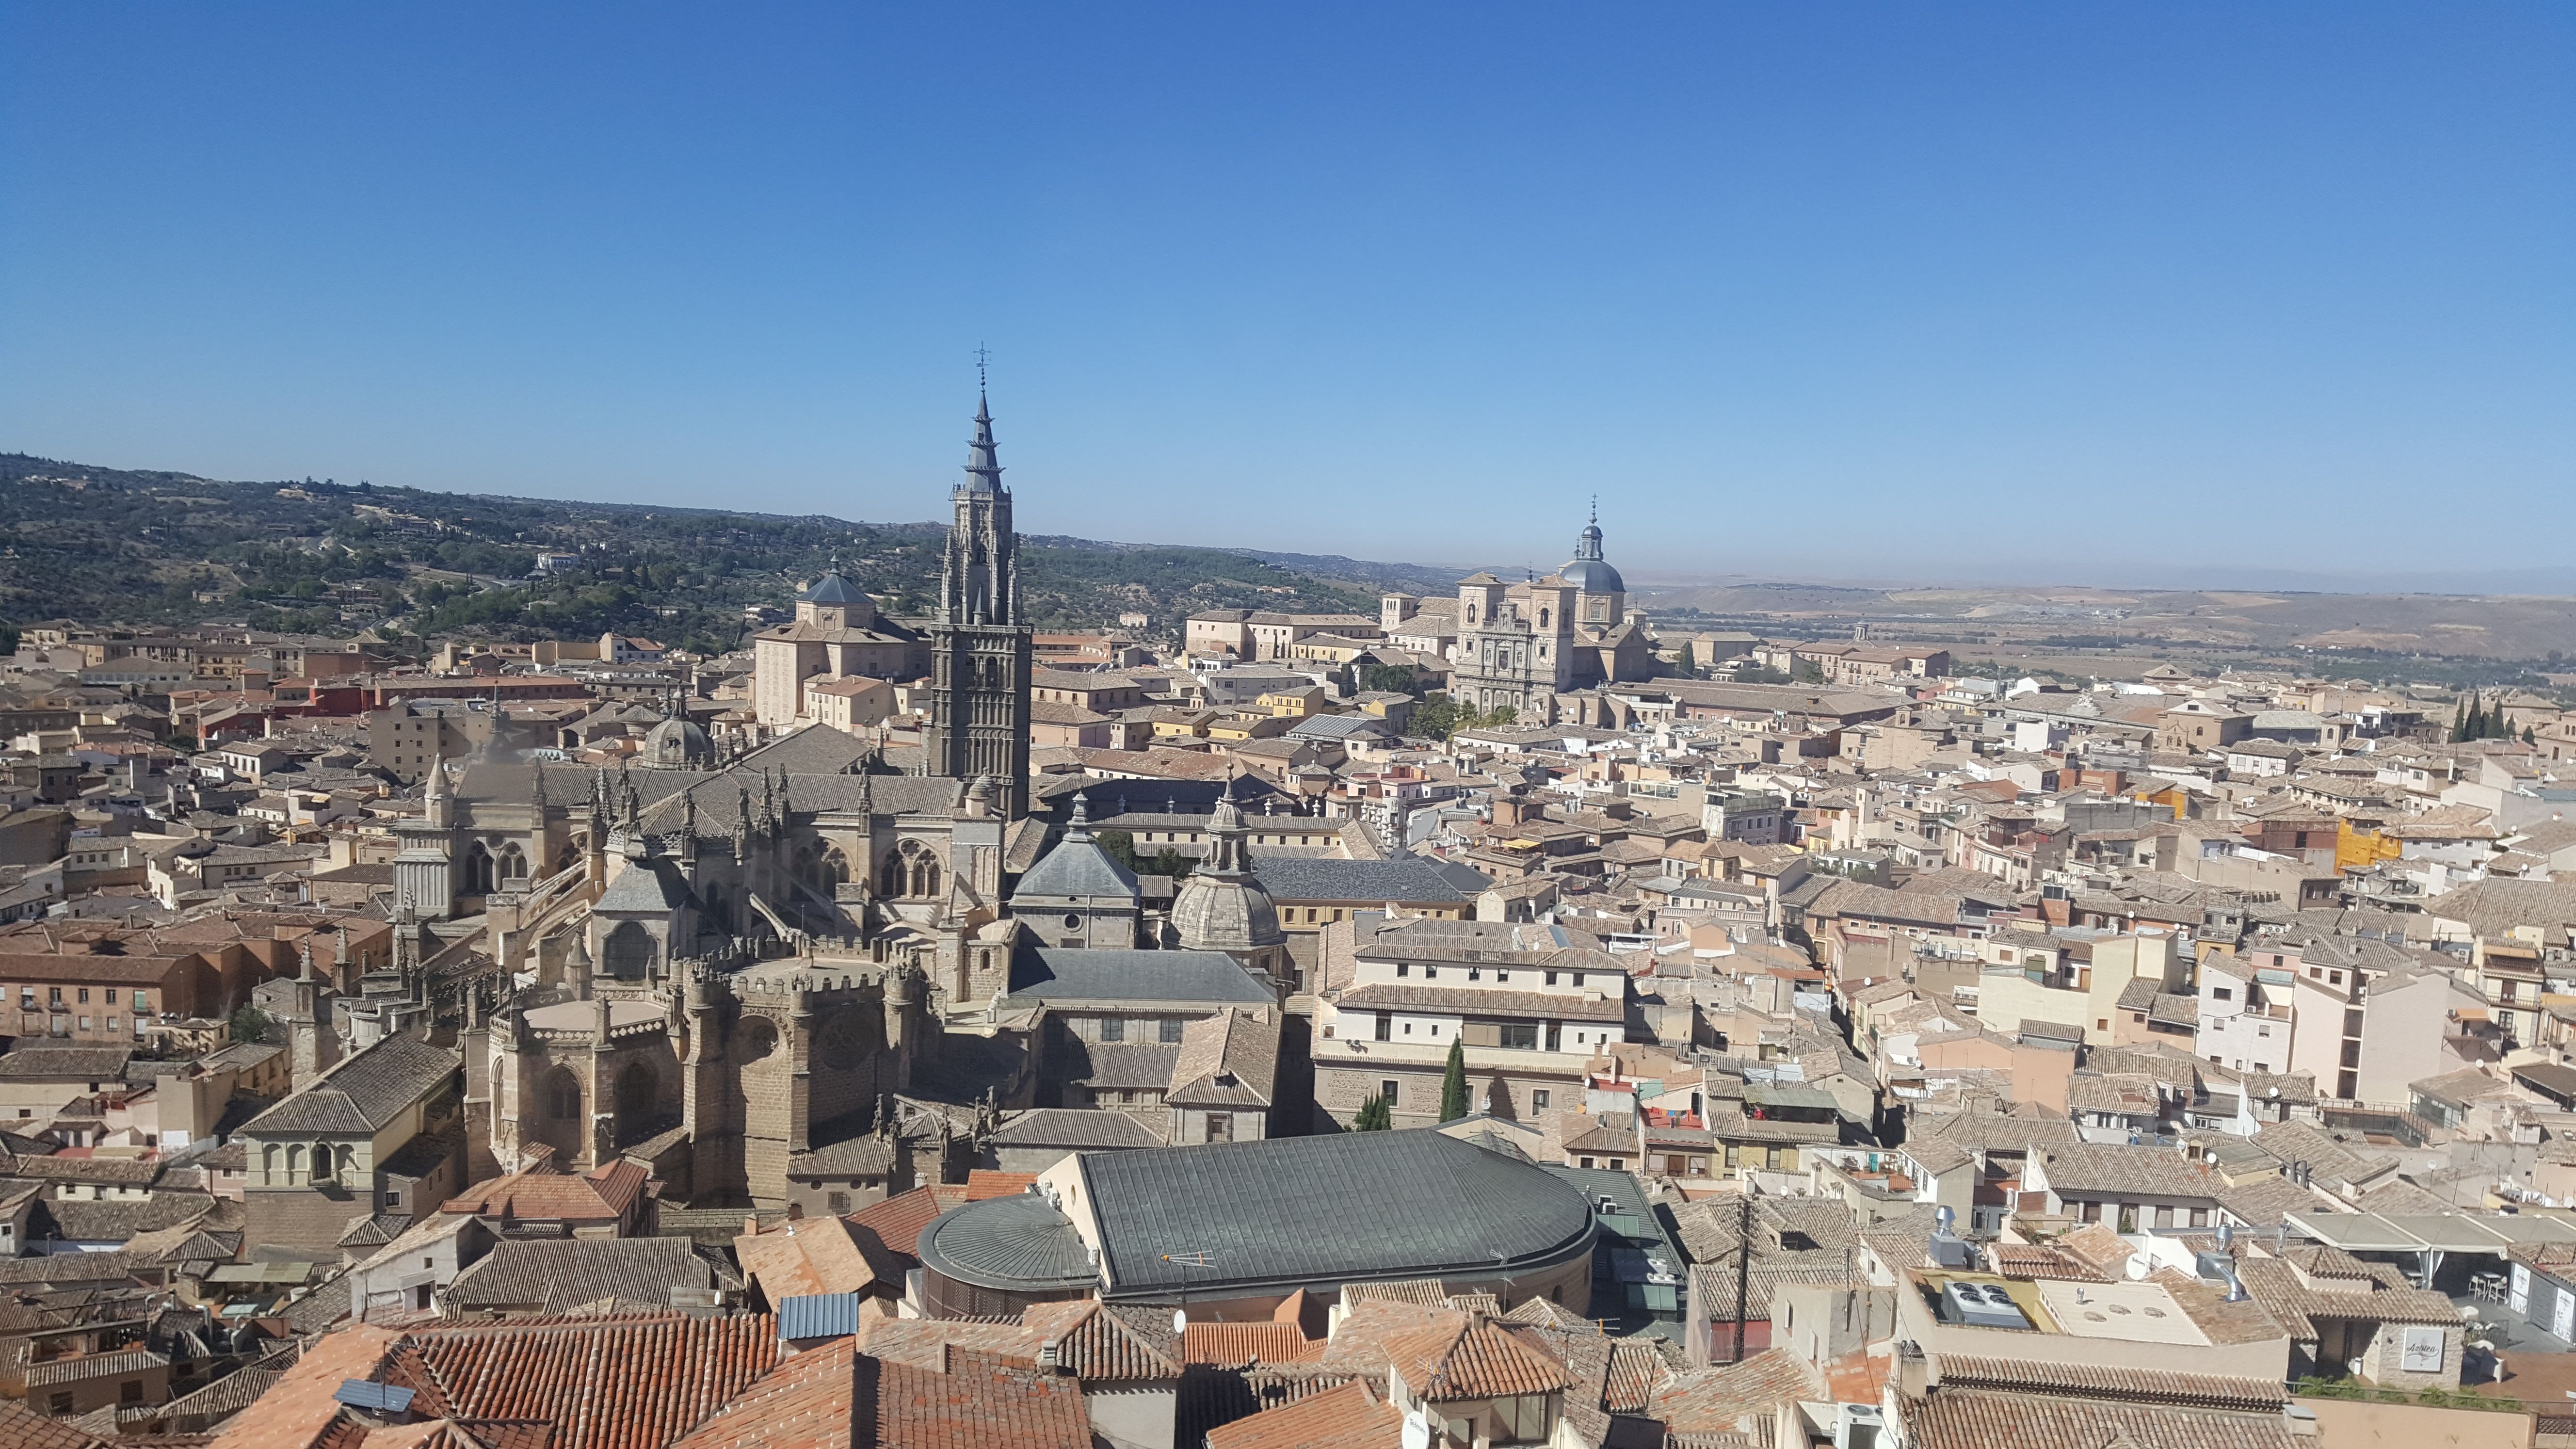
(1542, 618)
(563, 1095)
(512, 865)
(835, 868)
(890, 879)
(268, 1162)
(629, 951)
(321, 1162)
(295, 1162)
(478, 870)
(638, 1089)
(929, 875)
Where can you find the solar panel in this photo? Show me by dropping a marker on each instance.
(382, 1398)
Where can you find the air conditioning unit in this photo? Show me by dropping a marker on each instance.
(1981, 1305)
(1859, 1426)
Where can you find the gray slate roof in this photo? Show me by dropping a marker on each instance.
(1408, 1204)
(562, 1273)
(361, 1094)
(644, 888)
(1406, 880)
(1078, 868)
(1067, 974)
(1089, 1129)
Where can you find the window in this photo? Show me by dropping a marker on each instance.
(111, 996)
(1385, 1027)
(1169, 1029)
(1502, 976)
(1587, 1162)
(1401, 969)
(54, 995)
(1388, 1090)
(1429, 972)
(837, 1202)
(1520, 1035)
(1578, 979)
(1551, 978)
(1435, 1028)
(1538, 1100)
(141, 1004)
(84, 996)
(1474, 975)
(1113, 1028)
(1408, 1028)
(2222, 993)
(393, 1197)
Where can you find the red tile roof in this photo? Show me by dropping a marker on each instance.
(632, 1383)
(1236, 1344)
(549, 1196)
(976, 1401)
(1348, 1417)
(1478, 1361)
(898, 1220)
(983, 1182)
(803, 1403)
(1095, 1345)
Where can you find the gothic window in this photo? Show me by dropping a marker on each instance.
(563, 1095)
(512, 865)
(890, 879)
(569, 856)
(478, 870)
(835, 868)
(629, 951)
(637, 1089)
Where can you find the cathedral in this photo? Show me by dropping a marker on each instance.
(728, 964)
(1525, 646)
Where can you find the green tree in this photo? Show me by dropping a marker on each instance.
(1375, 1116)
(1688, 661)
(1388, 679)
(1453, 1082)
(1120, 845)
(250, 1024)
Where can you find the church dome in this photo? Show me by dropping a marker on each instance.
(1215, 914)
(1588, 570)
(1079, 868)
(678, 743)
(1221, 907)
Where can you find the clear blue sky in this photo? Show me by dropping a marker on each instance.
(1926, 290)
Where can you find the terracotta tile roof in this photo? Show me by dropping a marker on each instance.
(1635, 1364)
(1347, 1417)
(803, 1403)
(552, 1196)
(299, 1410)
(898, 1220)
(1477, 1361)
(1095, 1344)
(1727, 1399)
(983, 1182)
(2095, 1381)
(1236, 1344)
(976, 1401)
(1965, 1419)
(925, 1342)
(635, 1383)
(802, 1259)
(1364, 1341)
(1428, 1292)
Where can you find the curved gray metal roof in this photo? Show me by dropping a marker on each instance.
(1014, 1244)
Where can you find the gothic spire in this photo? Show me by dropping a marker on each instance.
(983, 468)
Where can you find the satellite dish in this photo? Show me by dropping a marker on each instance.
(1180, 1320)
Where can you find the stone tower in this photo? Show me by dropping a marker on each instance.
(979, 648)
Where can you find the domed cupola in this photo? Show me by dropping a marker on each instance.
(1222, 908)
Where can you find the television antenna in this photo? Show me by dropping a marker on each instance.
(1197, 1258)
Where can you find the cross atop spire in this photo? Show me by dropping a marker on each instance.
(983, 356)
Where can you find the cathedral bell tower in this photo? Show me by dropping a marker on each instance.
(979, 646)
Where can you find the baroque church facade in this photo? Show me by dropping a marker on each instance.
(1525, 646)
(729, 965)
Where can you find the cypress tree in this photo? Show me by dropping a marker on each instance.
(1453, 1082)
(1375, 1116)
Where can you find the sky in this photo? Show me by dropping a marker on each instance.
(2035, 293)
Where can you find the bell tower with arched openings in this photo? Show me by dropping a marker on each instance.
(979, 645)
